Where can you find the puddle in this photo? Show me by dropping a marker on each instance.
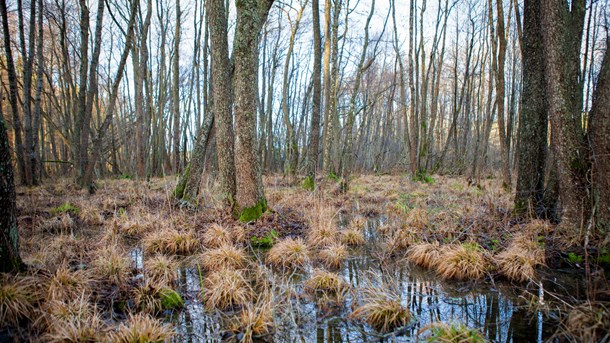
(496, 310)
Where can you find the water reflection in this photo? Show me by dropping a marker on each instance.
(496, 310)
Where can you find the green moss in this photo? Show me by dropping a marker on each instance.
(250, 214)
(267, 241)
(574, 258)
(171, 299)
(65, 208)
(455, 333)
(309, 183)
(333, 177)
(604, 257)
(422, 176)
(181, 186)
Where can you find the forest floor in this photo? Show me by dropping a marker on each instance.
(390, 259)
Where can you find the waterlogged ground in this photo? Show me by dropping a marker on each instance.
(500, 311)
(104, 247)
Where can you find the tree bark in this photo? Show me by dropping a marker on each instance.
(314, 133)
(176, 91)
(221, 98)
(599, 138)
(251, 15)
(533, 122)
(558, 32)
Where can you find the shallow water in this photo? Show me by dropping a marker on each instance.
(496, 310)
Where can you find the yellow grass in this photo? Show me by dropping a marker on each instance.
(289, 253)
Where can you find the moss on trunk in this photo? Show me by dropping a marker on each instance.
(250, 214)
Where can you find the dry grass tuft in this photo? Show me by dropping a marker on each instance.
(63, 223)
(451, 333)
(382, 310)
(254, 320)
(357, 223)
(289, 253)
(113, 265)
(427, 255)
(323, 230)
(142, 328)
(323, 282)
(519, 261)
(68, 284)
(352, 237)
(160, 269)
(226, 288)
(216, 236)
(77, 328)
(18, 298)
(171, 242)
(463, 261)
(418, 219)
(588, 322)
(333, 255)
(224, 257)
(147, 297)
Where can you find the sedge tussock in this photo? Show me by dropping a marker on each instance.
(149, 296)
(88, 328)
(142, 328)
(60, 224)
(324, 282)
(225, 289)
(289, 253)
(160, 269)
(68, 284)
(18, 298)
(357, 223)
(322, 235)
(352, 237)
(216, 235)
(382, 310)
(224, 257)
(519, 261)
(418, 219)
(171, 242)
(254, 320)
(89, 214)
(451, 333)
(587, 322)
(333, 255)
(113, 265)
(427, 255)
(463, 261)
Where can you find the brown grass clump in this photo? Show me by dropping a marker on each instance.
(63, 223)
(254, 320)
(333, 255)
(147, 297)
(418, 219)
(322, 237)
(88, 328)
(224, 257)
(352, 237)
(216, 235)
(171, 242)
(357, 223)
(142, 328)
(289, 253)
(324, 282)
(226, 288)
(112, 265)
(463, 261)
(451, 333)
(68, 284)
(382, 310)
(160, 269)
(588, 322)
(427, 255)
(18, 298)
(519, 261)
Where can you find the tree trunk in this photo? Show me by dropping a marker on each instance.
(251, 15)
(10, 260)
(314, 132)
(599, 137)
(533, 123)
(565, 116)
(12, 82)
(176, 91)
(221, 98)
